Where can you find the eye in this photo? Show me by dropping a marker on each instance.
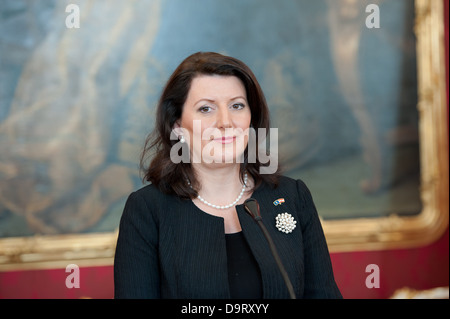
(204, 109)
(238, 106)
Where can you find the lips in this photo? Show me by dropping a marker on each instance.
(226, 139)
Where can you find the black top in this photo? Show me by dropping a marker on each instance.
(169, 248)
(244, 276)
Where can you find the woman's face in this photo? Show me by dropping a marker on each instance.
(215, 119)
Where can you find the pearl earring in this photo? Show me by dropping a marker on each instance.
(182, 140)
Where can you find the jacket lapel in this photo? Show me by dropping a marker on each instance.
(273, 283)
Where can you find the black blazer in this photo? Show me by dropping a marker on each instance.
(169, 248)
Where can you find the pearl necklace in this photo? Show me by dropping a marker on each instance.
(224, 206)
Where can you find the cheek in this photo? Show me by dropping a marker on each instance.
(186, 121)
(196, 130)
(242, 119)
(189, 125)
(245, 121)
(248, 116)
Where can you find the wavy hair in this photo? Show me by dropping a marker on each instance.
(171, 177)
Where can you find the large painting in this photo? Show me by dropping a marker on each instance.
(78, 98)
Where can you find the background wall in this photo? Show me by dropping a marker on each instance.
(418, 268)
(77, 103)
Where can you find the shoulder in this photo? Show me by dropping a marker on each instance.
(150, 198)
(293, 190)
(294, 185)
(296, 188)
(149, 191)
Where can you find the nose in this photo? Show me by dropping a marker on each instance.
(223, 118)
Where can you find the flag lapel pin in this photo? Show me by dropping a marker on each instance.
(279, 201)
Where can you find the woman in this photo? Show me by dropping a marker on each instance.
(187, 234)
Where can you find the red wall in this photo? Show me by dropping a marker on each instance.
(95, 282)
(418, 268)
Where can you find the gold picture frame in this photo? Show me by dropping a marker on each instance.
(405, 232)
(94, 249)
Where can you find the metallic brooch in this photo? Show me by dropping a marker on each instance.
(285, 223)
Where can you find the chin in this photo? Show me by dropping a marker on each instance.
(227, 158)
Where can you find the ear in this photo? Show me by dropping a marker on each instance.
(177, 128)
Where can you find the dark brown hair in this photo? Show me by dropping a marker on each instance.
(170, 177)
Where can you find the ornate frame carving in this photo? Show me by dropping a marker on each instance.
(342, 235)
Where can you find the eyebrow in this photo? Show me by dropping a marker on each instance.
(212, 100)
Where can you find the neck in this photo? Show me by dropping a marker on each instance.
(219, 182)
